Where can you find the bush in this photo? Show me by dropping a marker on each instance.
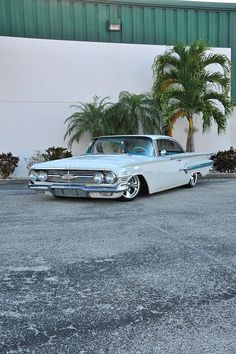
(225, 161)
(52, 153)
(8, 163)
(56, 153)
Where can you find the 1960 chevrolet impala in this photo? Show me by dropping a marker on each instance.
(121, 167)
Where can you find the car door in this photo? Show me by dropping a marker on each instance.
(168, 165)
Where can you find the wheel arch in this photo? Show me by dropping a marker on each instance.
(193, 179)
(144, 185)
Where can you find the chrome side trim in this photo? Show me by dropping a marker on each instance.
(198, 166)
(185, 155)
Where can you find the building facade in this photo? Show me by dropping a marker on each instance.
(161, 22)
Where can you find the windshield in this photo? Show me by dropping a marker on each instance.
(133, 145)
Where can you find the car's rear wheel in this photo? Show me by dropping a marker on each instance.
(134, 188)
(193, 180)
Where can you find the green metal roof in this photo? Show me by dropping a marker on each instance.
(142, 21)
(172, 3)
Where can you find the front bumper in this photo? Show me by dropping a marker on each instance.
(80, 191)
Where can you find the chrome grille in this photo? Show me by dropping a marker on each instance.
(71, 176)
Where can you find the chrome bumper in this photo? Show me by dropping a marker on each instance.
(78, 191)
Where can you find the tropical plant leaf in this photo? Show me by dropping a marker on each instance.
(184, 83)
(89, 118)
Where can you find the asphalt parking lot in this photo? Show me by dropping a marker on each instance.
(157, 275)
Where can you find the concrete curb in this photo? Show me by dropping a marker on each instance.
(14, 181)
(220, 175)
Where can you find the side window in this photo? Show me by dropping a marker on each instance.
(170, 146)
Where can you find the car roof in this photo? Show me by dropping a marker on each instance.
(152, 136)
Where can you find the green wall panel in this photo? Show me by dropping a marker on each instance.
(192, 25)
(115, 11)
(203, 28)
(149, 23)
(142, 21)
(181, 23)
(213, 24)
(160, 26)
(91, 23)
(103, 15)
(171, 26)
(29, 27)
(68, 29)
(42, 20)
(80, 21)
(138, 32)
(17, 15)
(5, 18)
(55, 17)
(127, 24)
(224, 29)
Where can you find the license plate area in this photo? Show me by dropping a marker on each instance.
(68, 191)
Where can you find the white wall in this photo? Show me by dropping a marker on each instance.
(40, 79)
(210, 140)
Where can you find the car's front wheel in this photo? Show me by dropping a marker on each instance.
(134, 188)
(193, 180)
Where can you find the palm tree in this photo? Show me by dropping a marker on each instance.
(89, 118)
(137, 112)
(100, 117)
(187, 87)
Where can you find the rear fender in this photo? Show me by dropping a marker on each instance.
(201, 167)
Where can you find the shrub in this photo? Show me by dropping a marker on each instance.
(8, 163)
(225, 161)
(52, 153)
(56, 153)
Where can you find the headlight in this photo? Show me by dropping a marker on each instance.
(33, 176)
(110, 177)
(42, 176)
(99, 177)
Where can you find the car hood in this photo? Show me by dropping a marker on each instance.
(93, 162)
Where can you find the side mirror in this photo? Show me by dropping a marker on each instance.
(163, 152)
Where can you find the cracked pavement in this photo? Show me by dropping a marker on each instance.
(157, 275)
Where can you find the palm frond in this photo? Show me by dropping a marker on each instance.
(198, 49)
(89, 118)
(184, 83)
(210, 113)
(220, 59)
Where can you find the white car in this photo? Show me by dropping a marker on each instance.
(121, 167)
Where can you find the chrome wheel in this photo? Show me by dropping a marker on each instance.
(193, 180)
(133, 190)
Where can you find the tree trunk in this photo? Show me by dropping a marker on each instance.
(190, 140)
(169, 131)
